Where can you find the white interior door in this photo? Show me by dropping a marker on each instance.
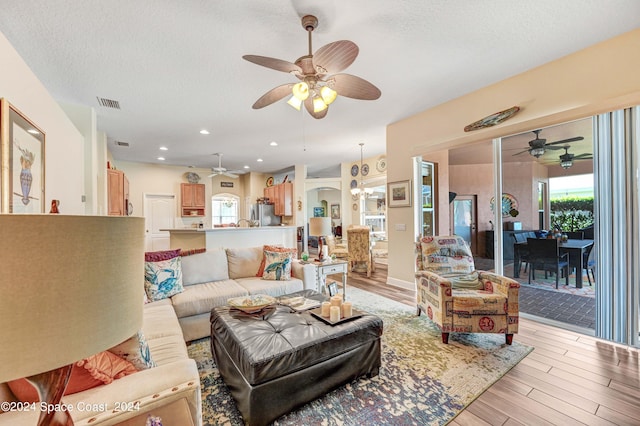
(159, 213)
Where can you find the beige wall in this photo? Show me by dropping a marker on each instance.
(601, 78)
(64, 145)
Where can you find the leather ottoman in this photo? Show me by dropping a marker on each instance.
(275, 362)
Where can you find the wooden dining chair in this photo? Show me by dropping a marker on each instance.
(545, 254)
(521, 251)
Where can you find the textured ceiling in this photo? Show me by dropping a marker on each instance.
(176, 67)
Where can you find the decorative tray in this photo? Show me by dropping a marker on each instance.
(299, 303)
(251, 304)
(317, 313)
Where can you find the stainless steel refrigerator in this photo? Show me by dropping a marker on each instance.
(265, 215)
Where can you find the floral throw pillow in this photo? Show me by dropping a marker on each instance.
(277, 266)
(163, 279)
(136, 351)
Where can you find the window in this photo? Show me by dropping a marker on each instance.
(224, 209)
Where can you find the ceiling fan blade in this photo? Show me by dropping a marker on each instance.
(335, 57)
(553, 148)
(231, 175)
(575, 139)
(308, 104)
(353, 87)
(585, 156)
(213, 174)
(273, 63)
(521, 152)
(273, 95)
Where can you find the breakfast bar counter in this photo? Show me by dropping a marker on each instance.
(191, 238)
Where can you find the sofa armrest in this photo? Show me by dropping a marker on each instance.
(500, 284)
(139, 393)
(305, 272)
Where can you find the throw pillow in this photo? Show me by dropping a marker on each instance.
(156, 256)
(278, 266)
(163, 279)
(190, 252)
(465, 281)
(98, 369)
(294, 255)
(136, 351)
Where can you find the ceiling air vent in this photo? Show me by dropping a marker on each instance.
(109, 103)
(120, 143)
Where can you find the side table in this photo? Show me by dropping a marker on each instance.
(334, 267)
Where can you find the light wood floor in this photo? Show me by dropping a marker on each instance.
(568, 379)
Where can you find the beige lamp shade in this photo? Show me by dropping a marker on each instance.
(319, 226)
(71, 286)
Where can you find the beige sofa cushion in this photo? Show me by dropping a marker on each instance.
(205, 267)
(257, 285)
(244, 262)
(201, 298)
(163, 334)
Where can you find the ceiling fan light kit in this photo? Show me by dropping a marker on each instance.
(317, 88)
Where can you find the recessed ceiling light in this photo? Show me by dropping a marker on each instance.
(247, 167)
(33, 131)
(164, 148)
(161, 158)
(204, 132)
(259, 160)
(273, 143)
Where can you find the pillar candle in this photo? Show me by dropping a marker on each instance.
(325, 309)
(325, 252)
(336, 301)
(347, 310)
(335, 314)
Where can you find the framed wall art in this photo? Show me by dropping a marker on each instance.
(22, 160)
(335, 211)
(399, 193)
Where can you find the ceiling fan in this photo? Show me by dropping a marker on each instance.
(538, 146)
(319, 85)
(221, 170)
(566, 159)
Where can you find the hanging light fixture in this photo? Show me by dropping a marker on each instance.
(537, 152)
(566, 159)
(361, 190)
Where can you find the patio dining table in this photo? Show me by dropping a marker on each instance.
(575, 248)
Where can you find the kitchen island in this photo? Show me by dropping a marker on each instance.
(191, 238)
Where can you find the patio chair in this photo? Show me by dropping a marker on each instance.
(575, 235)
(521, 253)
(545, 254)
(589, 264)
(459, 299)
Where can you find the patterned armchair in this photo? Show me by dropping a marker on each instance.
(458, 298)
(340, 250)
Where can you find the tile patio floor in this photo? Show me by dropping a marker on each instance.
(553, 305)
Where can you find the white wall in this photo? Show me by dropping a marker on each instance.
(64, 144)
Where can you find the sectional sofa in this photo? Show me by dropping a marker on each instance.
(171, 389)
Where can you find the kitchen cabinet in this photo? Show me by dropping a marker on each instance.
(281, 196)
(192, 199)
(117, 193)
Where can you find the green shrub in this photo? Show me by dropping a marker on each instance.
(572, 213)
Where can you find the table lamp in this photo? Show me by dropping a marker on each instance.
(320, 227)
(72, 286)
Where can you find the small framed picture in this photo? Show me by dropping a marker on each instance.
(399, 193)
(333, 288)
(335, 211)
